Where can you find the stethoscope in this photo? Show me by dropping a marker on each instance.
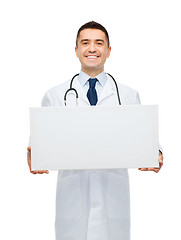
(76, 93)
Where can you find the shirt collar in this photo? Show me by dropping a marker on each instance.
(83, 78)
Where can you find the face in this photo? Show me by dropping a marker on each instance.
(92, 50)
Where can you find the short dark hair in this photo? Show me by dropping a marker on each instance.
(93, 25)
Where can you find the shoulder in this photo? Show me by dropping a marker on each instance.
(128, 94)
(59, 88)
(54, 96)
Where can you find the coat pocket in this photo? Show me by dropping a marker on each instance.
(68, 197)
(117, 197)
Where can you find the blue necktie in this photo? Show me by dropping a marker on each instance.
(92, 94)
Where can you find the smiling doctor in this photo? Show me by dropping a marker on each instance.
(92, 204)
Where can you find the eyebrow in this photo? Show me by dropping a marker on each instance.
(97, 40)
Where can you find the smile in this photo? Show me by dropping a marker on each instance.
(92, 57)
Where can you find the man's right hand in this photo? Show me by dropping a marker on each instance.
(29, 164)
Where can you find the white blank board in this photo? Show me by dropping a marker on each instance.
(94, 137)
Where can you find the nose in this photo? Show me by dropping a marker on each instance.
(92, 47)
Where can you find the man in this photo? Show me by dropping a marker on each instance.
(92, 204)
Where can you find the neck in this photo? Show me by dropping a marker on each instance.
(92, 72)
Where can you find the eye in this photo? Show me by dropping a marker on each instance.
(85, 43)
(99, 43)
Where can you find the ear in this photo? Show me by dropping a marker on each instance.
(76, 51)
(109, 51)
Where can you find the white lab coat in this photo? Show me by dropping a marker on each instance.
(92, 204)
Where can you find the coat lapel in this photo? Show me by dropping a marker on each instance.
(107, 91)
(81, 93)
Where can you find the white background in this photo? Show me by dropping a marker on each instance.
(37, 40)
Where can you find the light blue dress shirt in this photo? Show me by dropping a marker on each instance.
(83, 79)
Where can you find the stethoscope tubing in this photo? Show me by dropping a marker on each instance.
(76, 93)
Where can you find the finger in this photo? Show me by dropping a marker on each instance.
(45, 171)
(160, 159)
(161, 162)
(29, 162)
(156, 170)
(143, 169)
(41, 171)
(34, 171)
(151, 169)
(29, 148)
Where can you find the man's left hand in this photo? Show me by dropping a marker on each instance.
(160, 159)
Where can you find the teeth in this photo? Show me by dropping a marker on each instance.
(91, 56)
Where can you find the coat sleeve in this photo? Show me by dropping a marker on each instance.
(46, 101)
